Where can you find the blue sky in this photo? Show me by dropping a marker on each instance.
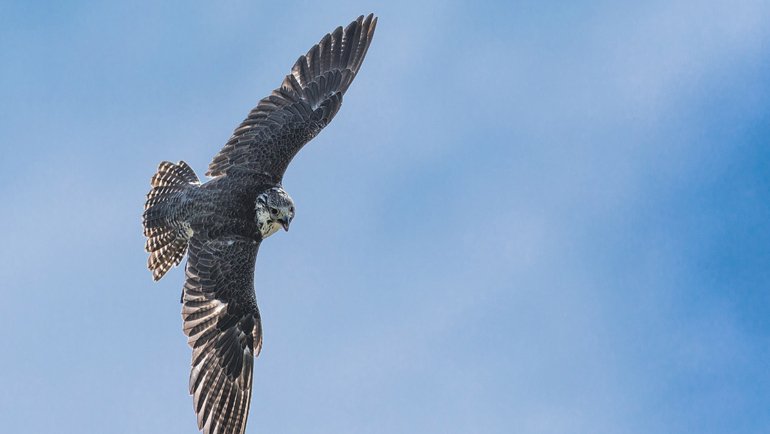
(529, 217)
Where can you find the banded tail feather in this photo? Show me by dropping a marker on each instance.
(166, 230)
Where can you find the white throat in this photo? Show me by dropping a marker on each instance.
(274, 210)
(266, 227)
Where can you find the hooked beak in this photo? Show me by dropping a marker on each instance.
(285, 223)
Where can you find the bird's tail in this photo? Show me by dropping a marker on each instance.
(167, 234)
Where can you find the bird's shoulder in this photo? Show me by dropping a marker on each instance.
(225, 206)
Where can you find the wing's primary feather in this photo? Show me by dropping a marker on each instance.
(223, 326)
(307, 100)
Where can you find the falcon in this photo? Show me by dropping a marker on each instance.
(221, 223)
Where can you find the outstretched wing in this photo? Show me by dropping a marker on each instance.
(222, 323)
(309, 97)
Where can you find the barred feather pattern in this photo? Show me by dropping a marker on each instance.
(166, 230)
(307, 100)
(215, 223)
(223, 326)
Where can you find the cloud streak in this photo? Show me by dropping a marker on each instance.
(526, 217)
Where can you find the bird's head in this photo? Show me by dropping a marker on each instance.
(275, 210)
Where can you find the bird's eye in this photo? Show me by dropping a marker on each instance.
(274, 211)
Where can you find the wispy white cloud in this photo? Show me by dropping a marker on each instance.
(504, 228)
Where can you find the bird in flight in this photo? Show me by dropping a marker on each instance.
(221, 223)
